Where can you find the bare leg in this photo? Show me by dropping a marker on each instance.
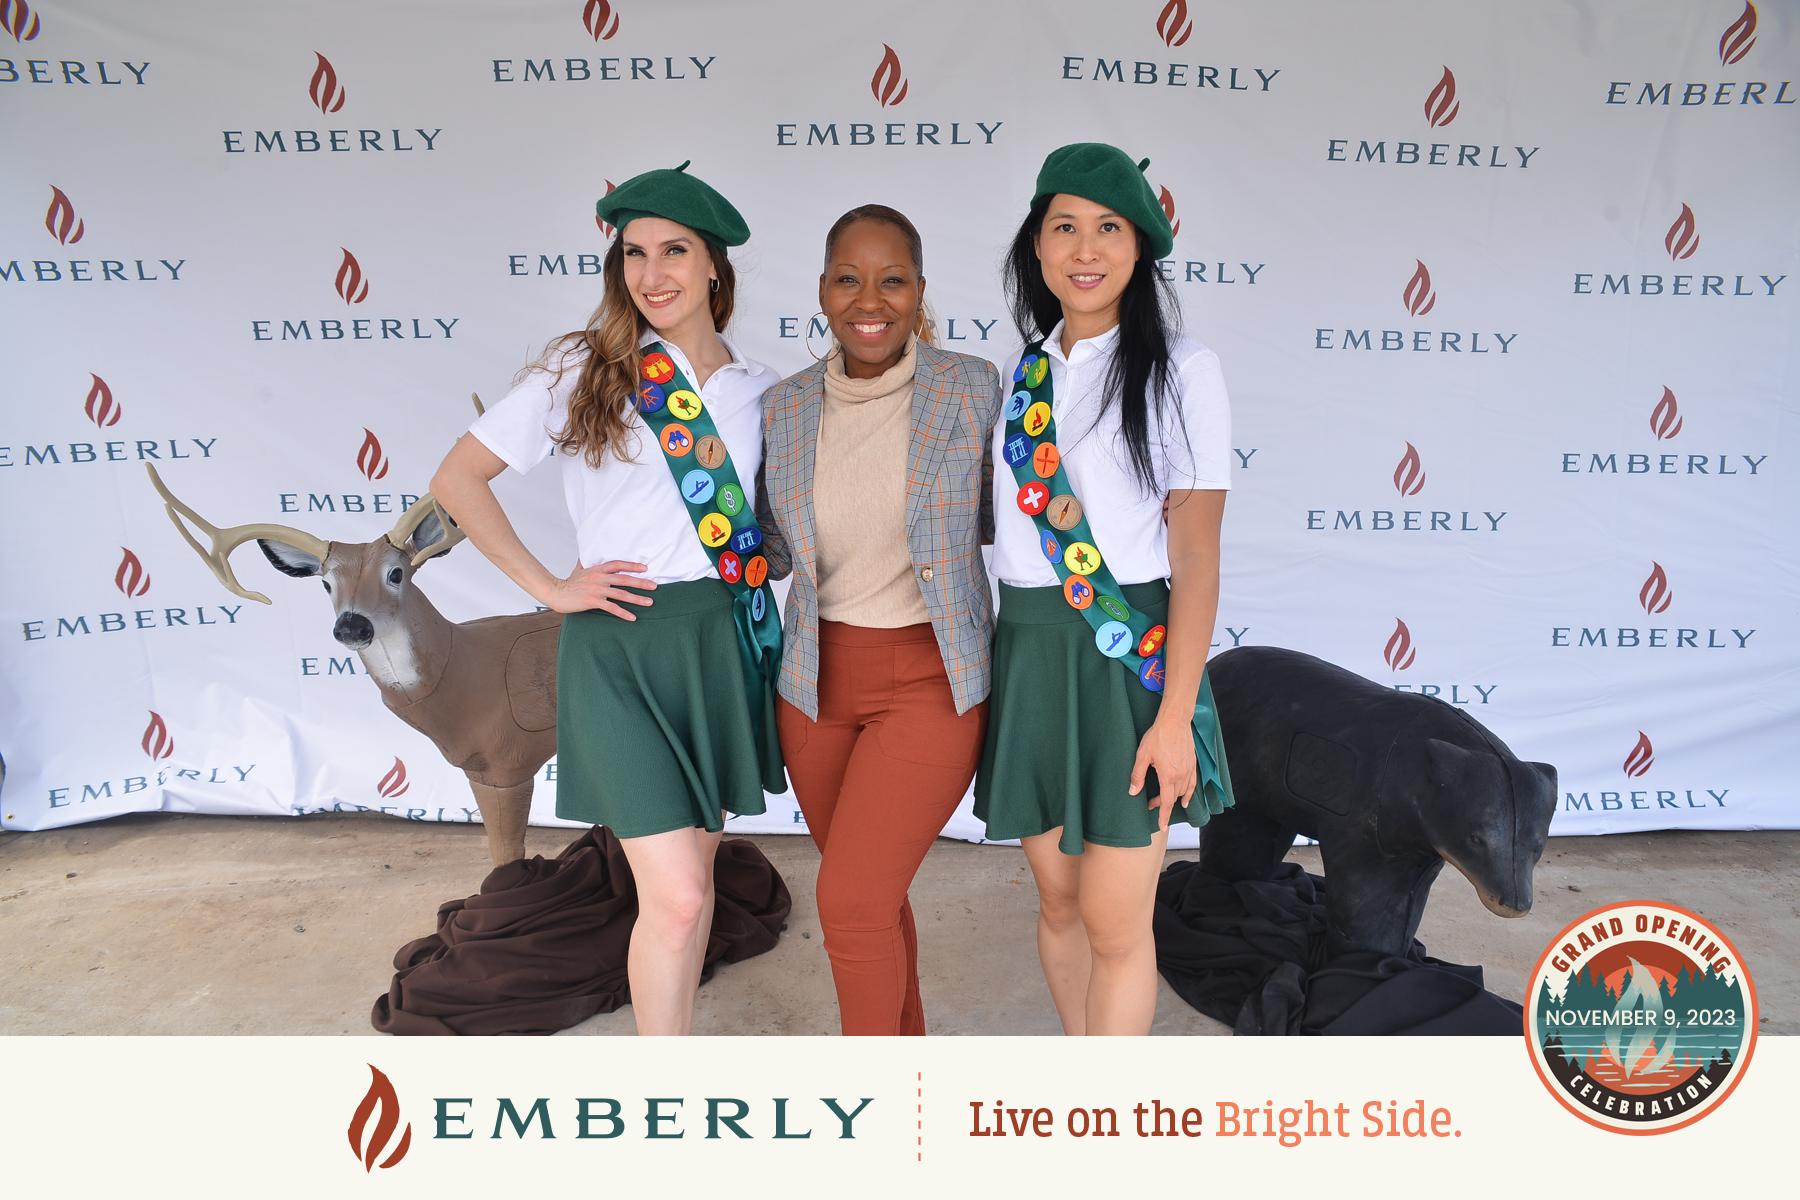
(674, 893)
(1062, 940)
(504, 811)
(706, 846)
(1118, 894)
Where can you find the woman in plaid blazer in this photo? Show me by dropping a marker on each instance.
(875, 496)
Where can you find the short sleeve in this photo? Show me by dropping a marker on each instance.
(518, 429)
(1197, 436)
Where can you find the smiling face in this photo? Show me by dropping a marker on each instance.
(1087, 253)
(669, 273)
(870, 292)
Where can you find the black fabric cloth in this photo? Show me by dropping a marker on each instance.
(542, 946)
(1252, 954)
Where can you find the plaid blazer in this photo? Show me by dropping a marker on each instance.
(949, 514)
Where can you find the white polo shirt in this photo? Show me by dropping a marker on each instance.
(1191, 448)
(630, 510)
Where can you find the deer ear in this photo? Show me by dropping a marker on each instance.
(429, 533)
(290, 560)
(1445, 761)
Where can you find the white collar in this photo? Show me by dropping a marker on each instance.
(737, 358)
(1099, 344)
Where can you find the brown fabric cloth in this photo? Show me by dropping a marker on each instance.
(542, 946)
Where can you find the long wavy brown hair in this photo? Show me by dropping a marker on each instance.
(608, 348)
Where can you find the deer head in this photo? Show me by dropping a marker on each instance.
(367, 581)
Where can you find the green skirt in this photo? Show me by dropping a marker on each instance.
(654, 728)
(1064, 723)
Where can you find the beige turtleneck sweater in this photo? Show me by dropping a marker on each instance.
(859, 498)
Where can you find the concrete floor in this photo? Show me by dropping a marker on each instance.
(212, 925)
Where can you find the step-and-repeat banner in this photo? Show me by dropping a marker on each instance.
(1505, 296)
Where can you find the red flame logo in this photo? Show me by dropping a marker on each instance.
(22, 23)
(1172, 24)
(351, 285)
(1682, 239)
(1655, 595)
(394, 783)
(60, 219)
(1399, 652)
(101, 408)
(1409, 473)
(369, 459)
(131, 578)
(1441, 106)
(1738, 37)
(1666, 419)
(1418, 297)
(605, 229)
(888, 85)
(381, 1095)
(600, 19)
(157, 743)
(1167, 200)
(1641, 756)
(325, 90)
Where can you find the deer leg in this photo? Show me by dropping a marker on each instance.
(505, 811)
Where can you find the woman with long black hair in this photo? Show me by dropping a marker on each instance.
(1111, 467)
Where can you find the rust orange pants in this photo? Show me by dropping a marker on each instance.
(877, 775)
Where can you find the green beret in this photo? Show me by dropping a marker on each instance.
(676, 196)
(1106, 175)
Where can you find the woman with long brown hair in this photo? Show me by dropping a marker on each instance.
(876, 470)
(664, 670)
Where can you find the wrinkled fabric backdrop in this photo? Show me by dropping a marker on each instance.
(1505, 296)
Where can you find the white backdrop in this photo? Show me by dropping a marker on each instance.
(1502, 293)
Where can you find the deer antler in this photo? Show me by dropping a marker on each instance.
(224, 541)
(423, 507)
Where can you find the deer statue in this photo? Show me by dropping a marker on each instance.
(483, 691)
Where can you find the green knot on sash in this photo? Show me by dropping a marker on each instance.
(723, 520)
(1047, 496)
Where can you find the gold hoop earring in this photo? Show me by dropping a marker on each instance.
(816, 356)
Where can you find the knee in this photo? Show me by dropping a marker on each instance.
(1112, 935)
(848, 903)
(673, 911)
(1059, 909)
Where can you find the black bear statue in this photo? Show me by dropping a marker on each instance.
(1392, 785)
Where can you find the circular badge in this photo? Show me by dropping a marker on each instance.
(731, 567)
(709, 452)
(1036, 369)
(1114, 639)
(1024, 367)
(731, 496)
(684, 404)
(1640, 1017)
(657, 368)
(1016, 450)
(1114, 608)
(1152, 674)
(697, 487)
(1151, 642)
(1046, 460)
(1016, 404)
(649, 397)
(758, 605)
(677, 440)
(1032, 498)
(1051, 547)
(746, 539)
(756, 570)
(1082, 558)
(1036, 418)
(1078, 592)
(1065, 512)
(714, 530)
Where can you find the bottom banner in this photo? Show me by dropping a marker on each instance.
(818, 1116)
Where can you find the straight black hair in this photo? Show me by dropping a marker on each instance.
(1149, 317)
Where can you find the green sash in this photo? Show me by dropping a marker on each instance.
(721, 514)
(1121, 633)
